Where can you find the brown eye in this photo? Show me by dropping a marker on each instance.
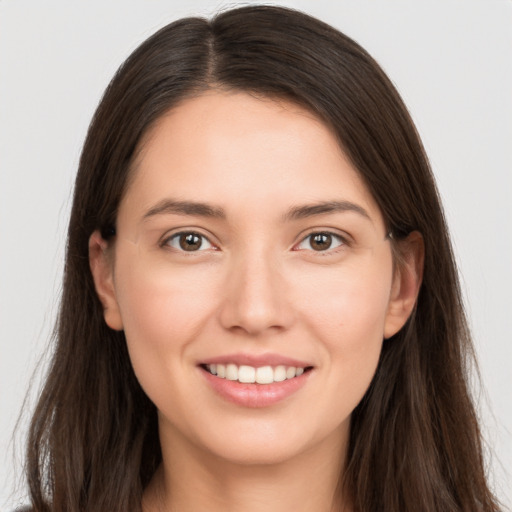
(321, 242)
(189, 242)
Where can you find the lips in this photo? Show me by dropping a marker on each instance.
(268, 359)
(255, 381)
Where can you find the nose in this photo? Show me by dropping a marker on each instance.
(256, 297)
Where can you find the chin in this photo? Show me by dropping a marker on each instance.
(265, 443)
(259, 454)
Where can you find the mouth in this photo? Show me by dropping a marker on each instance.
(263, 375)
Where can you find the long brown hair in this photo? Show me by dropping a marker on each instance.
(415, 442)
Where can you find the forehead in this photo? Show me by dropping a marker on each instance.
(241, 150)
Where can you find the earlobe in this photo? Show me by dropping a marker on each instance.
(103, 276)
(406, 283)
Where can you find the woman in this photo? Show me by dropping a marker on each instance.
(260, 307)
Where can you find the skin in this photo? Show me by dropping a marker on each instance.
(257, 285)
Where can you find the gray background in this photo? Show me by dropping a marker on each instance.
(452, 62)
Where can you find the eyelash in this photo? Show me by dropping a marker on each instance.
(333, 236)
(177, 236)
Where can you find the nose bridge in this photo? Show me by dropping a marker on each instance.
(255, 292)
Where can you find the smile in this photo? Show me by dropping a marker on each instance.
(254, 375)
(256, 380)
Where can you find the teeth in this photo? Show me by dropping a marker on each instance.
(279, 374)
(291, 372)
(232, 372)
(265, 375)
(246, 374)
(251, 375)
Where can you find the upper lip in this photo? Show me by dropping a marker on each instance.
(256, 360)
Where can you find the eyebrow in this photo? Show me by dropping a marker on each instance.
(302, 212)
(171, 206)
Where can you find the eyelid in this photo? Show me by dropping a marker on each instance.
(345, 240)
(164, 241)
(343, 237)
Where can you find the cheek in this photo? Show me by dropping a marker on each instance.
(350, 303)
(163, 309)
(347, 312)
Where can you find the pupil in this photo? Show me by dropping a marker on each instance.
(190, 242)
(321, 242)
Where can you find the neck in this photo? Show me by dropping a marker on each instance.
(190, 479)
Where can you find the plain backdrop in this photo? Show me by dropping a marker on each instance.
(450, 60)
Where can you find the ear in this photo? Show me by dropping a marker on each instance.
(102, 269)
(407, 279)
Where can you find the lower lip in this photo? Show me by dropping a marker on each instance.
(255, 395)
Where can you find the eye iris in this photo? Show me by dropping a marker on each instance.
(190, 242)
(321, 241)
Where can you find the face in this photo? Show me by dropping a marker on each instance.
(252, 275)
